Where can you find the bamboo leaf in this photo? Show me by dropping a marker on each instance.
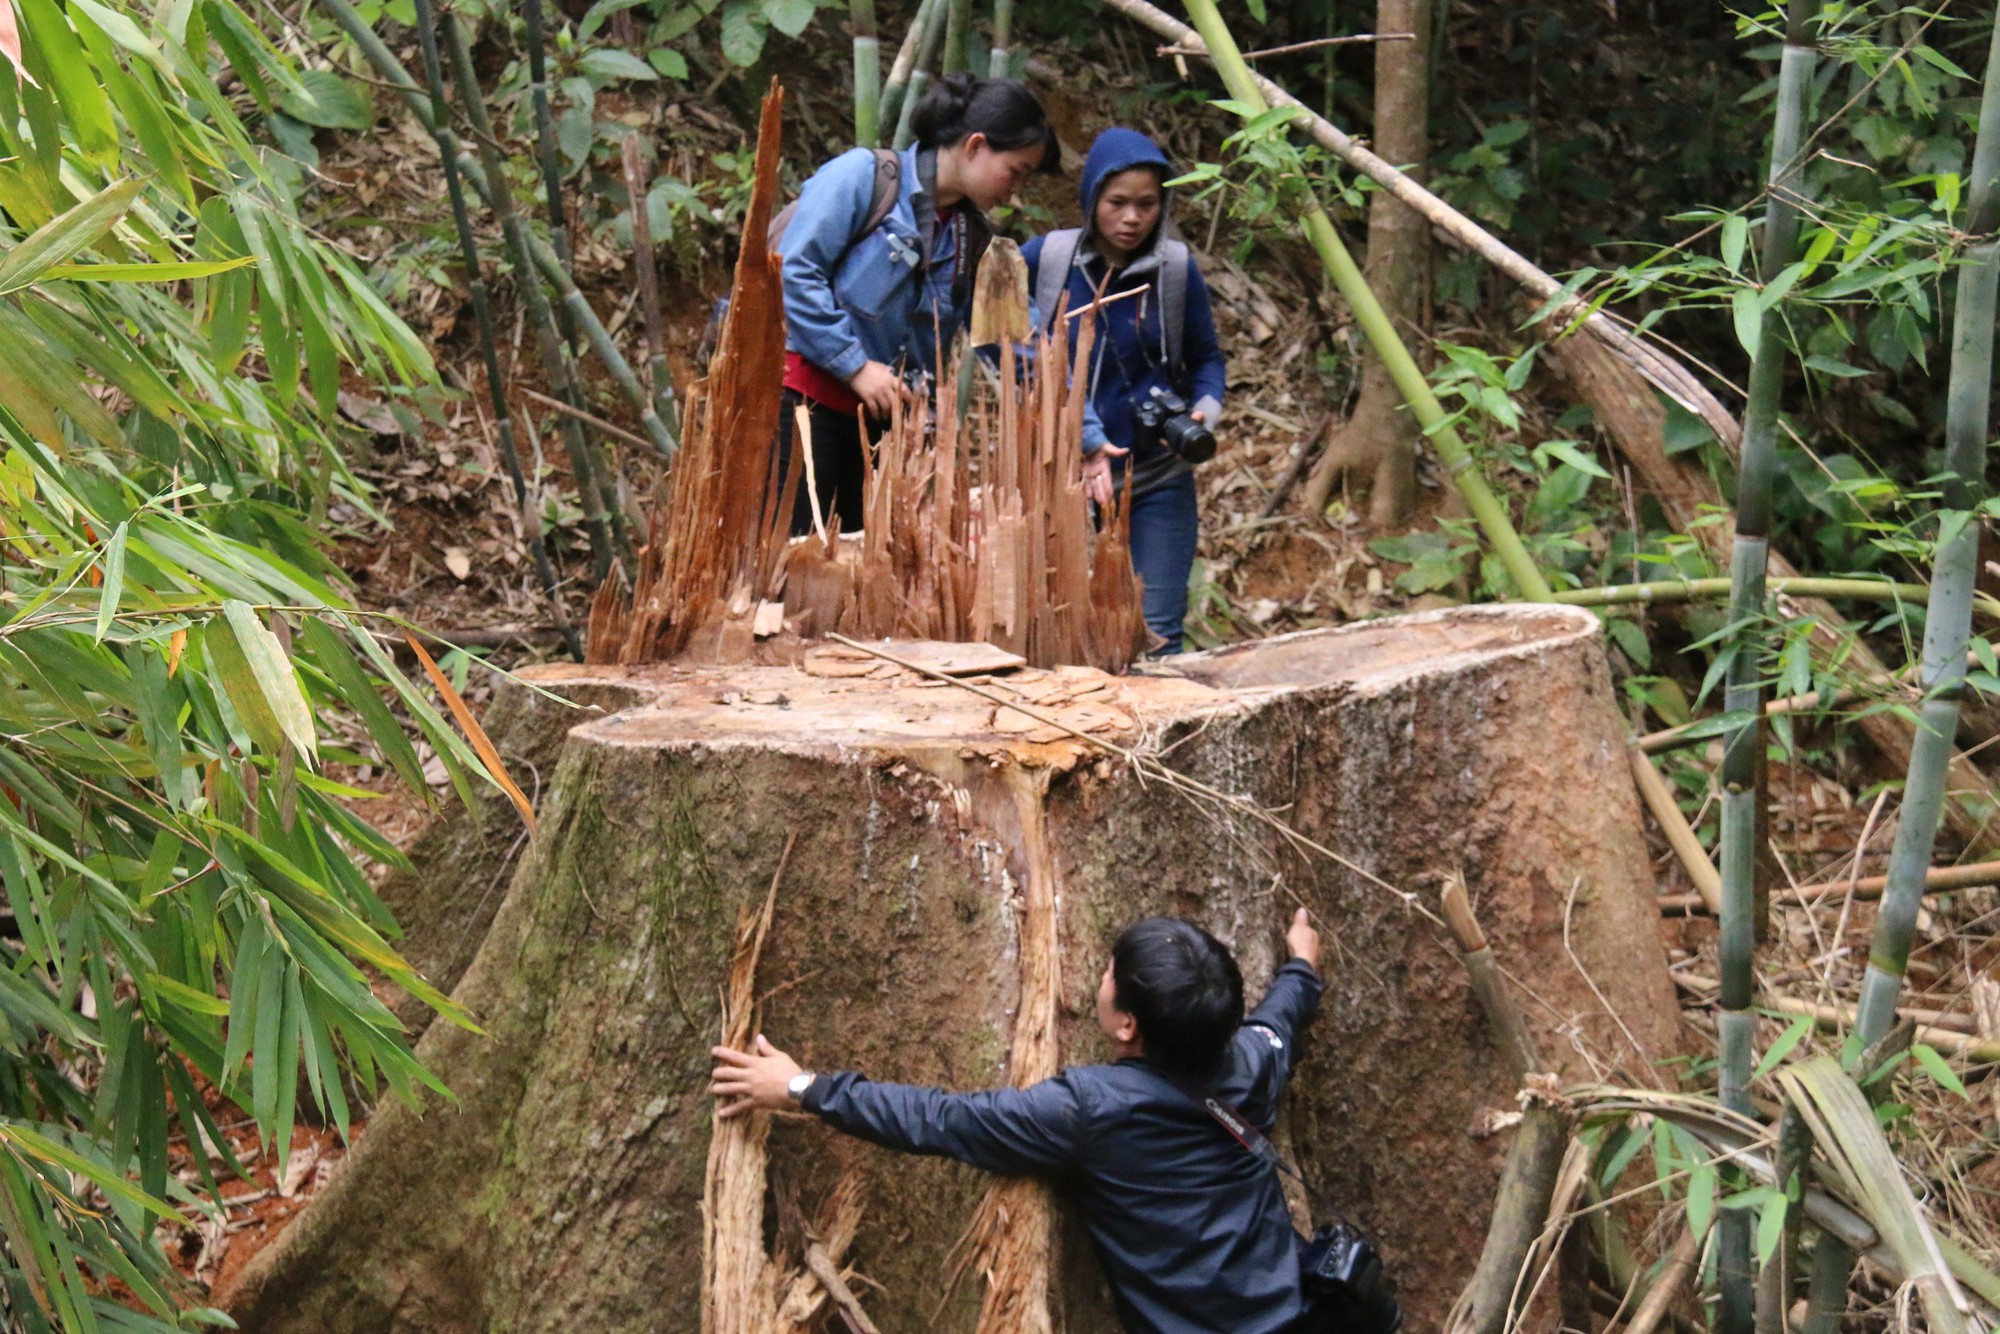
(114, 579)
(1701, 1198)
(1782, 1048)
(1748, 313)
(274, 676)
(37, 1145)
(1735, 234)
(73, 230)
(143, 273)
(1928, 1057)
(496, 768)
(1771, 1225)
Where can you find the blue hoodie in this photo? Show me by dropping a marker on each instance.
(1130, 355)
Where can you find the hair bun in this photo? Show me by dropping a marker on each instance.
(1003, 110)
(939, 117)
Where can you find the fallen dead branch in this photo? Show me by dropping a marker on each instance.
(1840, 1017)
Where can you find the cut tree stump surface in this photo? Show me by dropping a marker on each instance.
(563, 1189)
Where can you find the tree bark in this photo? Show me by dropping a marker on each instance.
(1377, 446)
(949, 866)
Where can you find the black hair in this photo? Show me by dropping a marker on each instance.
(1183, 987)
(1001, 109)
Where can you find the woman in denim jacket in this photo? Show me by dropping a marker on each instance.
(864, 306)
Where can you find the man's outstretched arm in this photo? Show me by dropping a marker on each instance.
(1009, 1131)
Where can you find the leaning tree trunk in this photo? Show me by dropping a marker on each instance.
(1377, 445)
(956, 873)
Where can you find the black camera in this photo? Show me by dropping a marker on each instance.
(1344, 1271)
(1163, 416)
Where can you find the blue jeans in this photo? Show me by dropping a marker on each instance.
(1164, 527)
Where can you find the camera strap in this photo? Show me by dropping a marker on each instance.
(1251, 1138)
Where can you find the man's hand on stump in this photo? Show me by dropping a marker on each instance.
(744, 1081)
(1300, 938)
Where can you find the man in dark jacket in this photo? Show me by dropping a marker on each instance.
(1191, 1228)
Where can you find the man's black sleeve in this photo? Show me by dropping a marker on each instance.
(1015, 1132)
(1271, 1033)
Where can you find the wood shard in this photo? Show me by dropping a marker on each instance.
(975, 528)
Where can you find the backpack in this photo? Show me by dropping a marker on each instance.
(888, 187)
(1059, 257)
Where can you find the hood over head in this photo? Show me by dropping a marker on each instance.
(1119, 149)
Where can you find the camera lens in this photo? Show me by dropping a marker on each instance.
(1188, 438)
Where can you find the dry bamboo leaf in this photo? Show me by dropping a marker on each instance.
(489, 755)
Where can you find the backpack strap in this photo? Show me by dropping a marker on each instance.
(1173, 280)
(1052, 270)
(887, 189)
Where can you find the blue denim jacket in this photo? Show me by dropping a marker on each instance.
(872, 304)
(878, 301)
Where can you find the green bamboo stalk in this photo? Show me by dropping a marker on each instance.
(391, 70)
(596, 477)
(906, 62)
(1949, 624)
(482, 312)
(867, 70)
(1003, 35)
(1736, 1022)
(643, 260)
(958, 36)
(1695, 590)
(1382, 336)
(545, 150)
(920, 77)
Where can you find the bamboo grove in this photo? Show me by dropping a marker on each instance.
(178, 659)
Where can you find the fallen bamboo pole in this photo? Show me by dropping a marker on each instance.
(1673, 379)
(1673, 1276)
(1520, 1212)
(1694, 590)
(1510, 1030)
(1979, 1051)
(1659, 799)
(1939, 880)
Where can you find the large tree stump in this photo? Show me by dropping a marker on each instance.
(562, 1191)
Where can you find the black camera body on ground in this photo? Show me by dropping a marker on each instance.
(1162, 415)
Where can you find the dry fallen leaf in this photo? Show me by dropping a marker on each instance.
(458, 561)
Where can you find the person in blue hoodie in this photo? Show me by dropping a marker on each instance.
(879, 255)
(1162, 339)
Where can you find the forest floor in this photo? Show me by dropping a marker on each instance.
(450, 555)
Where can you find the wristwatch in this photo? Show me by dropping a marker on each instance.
(798, 1084)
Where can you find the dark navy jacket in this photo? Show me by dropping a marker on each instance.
(1192, 1230)
(1130, 356)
